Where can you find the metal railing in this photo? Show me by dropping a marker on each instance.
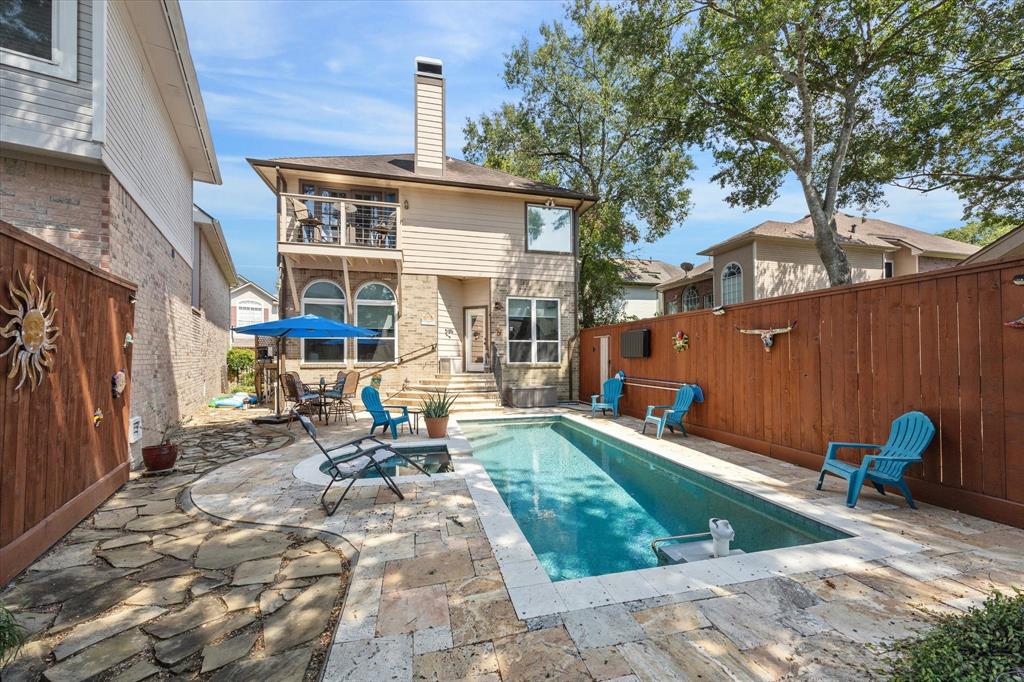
(308, 219)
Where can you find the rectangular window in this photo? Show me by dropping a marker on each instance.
(197, 273)
(40, 36)
(533, 330)
(549, 228)
(381, 319)
(249, 313)
(888, 269)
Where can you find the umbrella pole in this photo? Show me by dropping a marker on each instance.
(277, 384)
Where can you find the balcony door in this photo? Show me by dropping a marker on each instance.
(476, 339)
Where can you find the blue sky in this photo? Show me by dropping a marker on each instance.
(302, 77)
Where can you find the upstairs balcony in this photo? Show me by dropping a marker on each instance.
(319, 225)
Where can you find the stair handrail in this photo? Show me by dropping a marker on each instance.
(386, 364)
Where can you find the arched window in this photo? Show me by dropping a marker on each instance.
(732, 284)
(376, 310)
(326, 299)
(690, 299)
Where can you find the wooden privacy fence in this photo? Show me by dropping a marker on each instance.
(58, 462)
(859, 356)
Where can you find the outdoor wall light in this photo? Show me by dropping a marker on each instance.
(132, 298)
(498, 306)
(550, 203)
(718, 310)
(405, 204)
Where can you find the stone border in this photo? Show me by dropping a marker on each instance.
(534, 594)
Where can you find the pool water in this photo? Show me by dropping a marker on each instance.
(590, 504)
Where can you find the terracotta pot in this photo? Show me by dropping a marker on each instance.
(437, 427)
(160, 457)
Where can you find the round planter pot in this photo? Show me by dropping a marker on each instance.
(437, 427)
(160, 457)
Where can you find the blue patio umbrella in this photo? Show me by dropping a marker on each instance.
(301, 327)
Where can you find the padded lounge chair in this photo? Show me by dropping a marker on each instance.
(671, 415)
(354, 465)
(381, 416)
(611, 393)
(909, 437)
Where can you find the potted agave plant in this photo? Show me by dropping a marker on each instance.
(163, 456)
(436, 408)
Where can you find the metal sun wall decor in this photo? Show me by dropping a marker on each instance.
(680, 342)
(32, 329)
(768, 335)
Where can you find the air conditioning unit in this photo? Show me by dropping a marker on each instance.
(134, 429)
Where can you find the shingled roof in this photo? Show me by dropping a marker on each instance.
(852, 231)
(700, 271)
(457, 173)
(647, 271)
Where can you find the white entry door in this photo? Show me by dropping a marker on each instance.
(476, 339)
(603, 351)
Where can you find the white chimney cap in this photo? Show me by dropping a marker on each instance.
(429, 66)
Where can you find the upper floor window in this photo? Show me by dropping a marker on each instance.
(690, 299)
(533, 330)
(672, 307)
(732, 284)
(325, 299)
(376, 309)
(40, 36)
(548, 228)
(249, 312)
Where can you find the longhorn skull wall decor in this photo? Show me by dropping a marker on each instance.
(768, 335)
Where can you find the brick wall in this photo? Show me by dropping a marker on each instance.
(535, 375)
(418, 297)
(705, 286)
(178, 357)
(929, 263)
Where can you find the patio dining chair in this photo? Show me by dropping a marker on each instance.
(608, 399)
(304, 401)
(909, 436)
(343, 394)
(355, 463)
(381, 414)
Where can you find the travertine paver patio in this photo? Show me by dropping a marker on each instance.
(427, 599)
(148, 588)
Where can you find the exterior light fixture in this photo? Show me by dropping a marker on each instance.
(718, 310)
(405, 204)
(550, 203)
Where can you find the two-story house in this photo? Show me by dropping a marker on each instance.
(457, 267)
(250, 304)
(103, 134)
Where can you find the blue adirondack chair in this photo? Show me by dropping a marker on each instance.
(672, 415)
(611, 392)
(910, 435)
(381, 416)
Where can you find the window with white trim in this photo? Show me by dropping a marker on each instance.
(326, 299)
(673, 306)
(40, 36)
(709, 300)
(732, 284)
(533, 330)
(248, 312)
(376, 309)
(690, 299)
(548, 228)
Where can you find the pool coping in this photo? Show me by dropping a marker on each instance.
(534, 594)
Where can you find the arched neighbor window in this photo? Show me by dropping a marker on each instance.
(376, 309)
(690, 299)
(732, 284)
(325, 299)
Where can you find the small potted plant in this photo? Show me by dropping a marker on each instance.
(435, 408)
(163, 456)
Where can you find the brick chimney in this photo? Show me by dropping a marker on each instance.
(429, 99)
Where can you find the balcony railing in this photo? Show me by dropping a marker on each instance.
(306, 219)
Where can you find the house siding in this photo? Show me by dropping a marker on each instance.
(467, 234)
(141, 147)
(789, 268)
(929, 263)
(744, 256)
(49, 112)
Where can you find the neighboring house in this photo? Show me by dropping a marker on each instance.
(250, 304)
(776, 258)
(459, 268)
(104, 132)
(640, 277)
(691, 290)
(1010, 245)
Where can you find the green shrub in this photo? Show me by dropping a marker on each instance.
(12, 636)
(982, 644)
(240, 362)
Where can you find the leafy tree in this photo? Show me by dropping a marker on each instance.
(980, 232)
(581, 121)
(848, 96)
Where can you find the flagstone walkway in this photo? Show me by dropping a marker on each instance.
(144, 590)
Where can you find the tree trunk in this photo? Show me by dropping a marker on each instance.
(827, 242)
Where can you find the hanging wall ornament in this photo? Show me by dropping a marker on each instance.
(118, 383)
(680, 342)
(32, 328)
(768, 335)
(1016, 324)
(128, 340)
(97, 417)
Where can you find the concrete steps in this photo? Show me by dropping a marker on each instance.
(477, 392)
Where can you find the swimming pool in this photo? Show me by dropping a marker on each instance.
(590, 504)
